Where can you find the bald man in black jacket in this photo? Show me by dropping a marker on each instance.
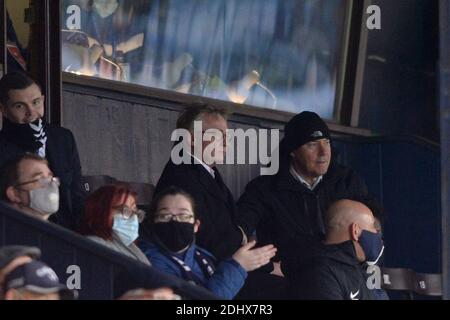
(335, 270)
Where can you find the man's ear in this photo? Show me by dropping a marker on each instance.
(196, 226)
(355, 232)
(12, 194)
(3, 110)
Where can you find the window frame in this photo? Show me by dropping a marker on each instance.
(3, 55)
(344, 112)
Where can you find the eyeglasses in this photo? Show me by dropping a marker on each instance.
(43, 182)
(127, 213)
(184, 217)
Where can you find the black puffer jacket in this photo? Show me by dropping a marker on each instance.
(289, 215)
(332, 273)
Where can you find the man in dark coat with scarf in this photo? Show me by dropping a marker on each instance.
(287, 209)
(24, 130)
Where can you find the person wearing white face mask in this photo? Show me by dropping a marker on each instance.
(29, 186)
(25, 130)
(111, 218)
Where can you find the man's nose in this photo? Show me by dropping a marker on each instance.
(323, 148)
(29, 111)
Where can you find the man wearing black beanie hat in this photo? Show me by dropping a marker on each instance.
(307, 141)
(304, 127)
(287, 209)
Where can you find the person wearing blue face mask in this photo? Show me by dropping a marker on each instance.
(168, 240)
(336, 269)
(373, 268)
(111, 218)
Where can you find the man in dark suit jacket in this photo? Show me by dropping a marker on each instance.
(25, 131)
(215, 206)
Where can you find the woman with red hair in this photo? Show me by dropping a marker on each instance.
(111, 218)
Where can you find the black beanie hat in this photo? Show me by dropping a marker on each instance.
(303, 128)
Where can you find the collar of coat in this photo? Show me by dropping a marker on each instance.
(285, 181)
(209, 183)
(344, 253)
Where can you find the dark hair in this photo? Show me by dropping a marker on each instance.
(9, 173)
(16, 80)
(170, 191)
(195, 111)
(97, 219)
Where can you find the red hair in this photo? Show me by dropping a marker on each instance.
(99, 208)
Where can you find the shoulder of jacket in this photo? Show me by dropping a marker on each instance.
(261, 182)
(54, 129)
(205, 252)
(339, 172)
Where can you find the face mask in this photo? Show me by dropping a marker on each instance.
(372, 244)
(45, 200)
(176, 236)
(126, 228)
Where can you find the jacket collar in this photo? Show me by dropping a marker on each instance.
(285, 180)
(210, 184)
(188, 255)
(154, 247)
(344, 252)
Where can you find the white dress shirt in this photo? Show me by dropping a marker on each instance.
(300, 179)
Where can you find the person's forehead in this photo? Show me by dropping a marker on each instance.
(175, 202)
(323, 140)
(29, 93)
(130, 200)
(305, 147)
(31, 168)
(216, 121)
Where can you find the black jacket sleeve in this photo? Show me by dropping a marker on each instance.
(78, 194)
(251, 208)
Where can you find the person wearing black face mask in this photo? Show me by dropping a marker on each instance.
(336, 269)
(168, 241)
